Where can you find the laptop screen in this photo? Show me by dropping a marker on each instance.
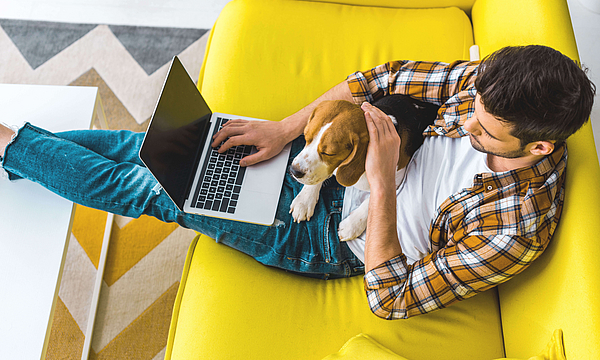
(177, 134)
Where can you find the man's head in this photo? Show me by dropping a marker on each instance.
(537, 93)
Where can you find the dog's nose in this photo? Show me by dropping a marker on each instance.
(298, 174)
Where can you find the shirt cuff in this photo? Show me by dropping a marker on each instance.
(359, 87)
(390, 273)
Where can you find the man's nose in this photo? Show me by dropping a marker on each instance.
(471, 125)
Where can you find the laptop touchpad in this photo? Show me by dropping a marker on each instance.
(267, 176)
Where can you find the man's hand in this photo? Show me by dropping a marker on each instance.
(382, 161)
(267, 136)
(270, 137)
(384, 148)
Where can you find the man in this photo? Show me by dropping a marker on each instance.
(480, 202)
(489, 216)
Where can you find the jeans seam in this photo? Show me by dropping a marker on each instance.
(326, 246)
(274, 251)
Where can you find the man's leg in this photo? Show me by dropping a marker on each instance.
(87, 175)
(311, 248)
(82, 175)
(121, 146)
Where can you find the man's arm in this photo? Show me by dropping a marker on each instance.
(431, 82)
(425, 81)
(270, 137)
(397, 290)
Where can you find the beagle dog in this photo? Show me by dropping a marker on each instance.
(336, 144)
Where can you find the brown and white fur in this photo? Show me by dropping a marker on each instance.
(336, 144)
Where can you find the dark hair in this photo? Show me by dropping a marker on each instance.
(542, 93)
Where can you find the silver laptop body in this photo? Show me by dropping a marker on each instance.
(177, 151)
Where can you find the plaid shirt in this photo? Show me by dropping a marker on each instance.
(481, 236)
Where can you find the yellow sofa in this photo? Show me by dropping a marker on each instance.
(270, 58)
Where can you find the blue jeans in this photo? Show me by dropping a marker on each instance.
(102, 170)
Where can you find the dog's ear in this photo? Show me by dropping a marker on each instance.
(311, 129)
(353, 167)
(312, 115)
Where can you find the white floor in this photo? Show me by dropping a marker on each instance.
(587, 32)
(203, 13)
(200, 14)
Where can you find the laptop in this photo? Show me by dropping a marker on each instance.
(177, 151)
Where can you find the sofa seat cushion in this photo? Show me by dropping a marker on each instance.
(231, 307)
(268, 59)
(363, 347)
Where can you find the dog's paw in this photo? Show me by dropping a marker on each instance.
(303, 205)
(301, 210)
(351, 227)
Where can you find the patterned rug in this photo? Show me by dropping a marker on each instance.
(145, 257)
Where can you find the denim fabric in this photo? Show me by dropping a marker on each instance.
(102, 170)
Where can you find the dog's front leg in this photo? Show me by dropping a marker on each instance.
(303, 205)
(355, 224)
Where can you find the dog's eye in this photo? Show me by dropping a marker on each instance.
(326, 154)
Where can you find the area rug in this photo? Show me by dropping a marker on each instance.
(145, 257)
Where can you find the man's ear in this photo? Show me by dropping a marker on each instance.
(351, 169)
(542, 148)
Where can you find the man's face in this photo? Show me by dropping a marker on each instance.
(492, 136)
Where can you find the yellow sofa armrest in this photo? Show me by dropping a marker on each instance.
(561, 290)
(497, 24)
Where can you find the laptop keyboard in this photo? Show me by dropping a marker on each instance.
(221, 177)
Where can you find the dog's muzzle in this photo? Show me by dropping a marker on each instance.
(298, 174)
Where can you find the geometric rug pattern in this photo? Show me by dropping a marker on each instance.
(146, 256)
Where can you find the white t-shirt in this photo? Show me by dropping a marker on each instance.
(441, 167)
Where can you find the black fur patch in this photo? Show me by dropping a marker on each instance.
(413, 116)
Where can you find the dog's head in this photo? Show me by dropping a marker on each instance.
(336, 138)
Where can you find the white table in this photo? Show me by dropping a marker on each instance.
(35, 224)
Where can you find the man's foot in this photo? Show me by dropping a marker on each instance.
(6, 135)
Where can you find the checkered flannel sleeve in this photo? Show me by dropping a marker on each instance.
(432, 82)
(396, 290)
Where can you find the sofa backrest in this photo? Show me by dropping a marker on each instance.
(465, 5)
(314, 55)
(561, 290)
